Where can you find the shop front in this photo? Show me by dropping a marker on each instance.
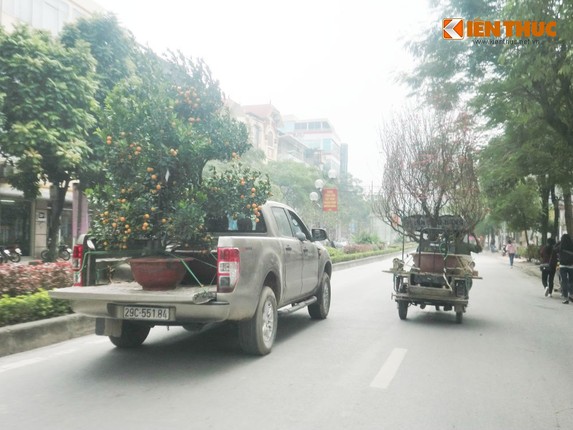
(15, 223)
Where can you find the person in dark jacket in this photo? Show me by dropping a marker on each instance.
(565, 252)
(548, 258)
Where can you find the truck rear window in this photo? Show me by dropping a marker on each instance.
(227, 224)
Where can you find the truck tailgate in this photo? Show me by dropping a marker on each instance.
(132, 292)
(186, 304)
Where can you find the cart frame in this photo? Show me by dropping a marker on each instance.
(439, 276)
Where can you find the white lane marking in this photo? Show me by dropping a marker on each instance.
(389, 369)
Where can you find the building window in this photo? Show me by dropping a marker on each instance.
(300, 126)
(21, 9)
(256, 136)
(270, 139)
(314, 125)
(54, 16)
(313, 144)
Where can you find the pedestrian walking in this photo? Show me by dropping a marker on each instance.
(511, 250)
(548, 258)
(565, 252)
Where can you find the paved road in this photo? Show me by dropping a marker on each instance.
(508, 366)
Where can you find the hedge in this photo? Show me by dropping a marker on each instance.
(31, 307)
(23, 291)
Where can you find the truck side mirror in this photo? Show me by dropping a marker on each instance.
(319, 234)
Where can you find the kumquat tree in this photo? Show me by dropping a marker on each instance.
(160, 129)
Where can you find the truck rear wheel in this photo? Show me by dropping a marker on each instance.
(257, 335)
(132, 335)
(319, 310)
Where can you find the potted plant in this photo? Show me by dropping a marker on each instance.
(160, 128)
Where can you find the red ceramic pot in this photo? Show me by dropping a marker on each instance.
(157, 273)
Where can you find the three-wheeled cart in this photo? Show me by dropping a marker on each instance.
(439, 273)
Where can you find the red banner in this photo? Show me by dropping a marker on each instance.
(329, 199)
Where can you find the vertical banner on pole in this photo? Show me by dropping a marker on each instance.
(329, 199)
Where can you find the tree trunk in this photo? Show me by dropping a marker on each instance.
(58, 200)
(555, 202)
(568, 213)
(545, 192)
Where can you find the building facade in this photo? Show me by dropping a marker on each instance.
(310, 141)
(323, 146)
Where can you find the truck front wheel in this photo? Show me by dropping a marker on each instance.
(132, 335)
(257, 335)
(319, 309)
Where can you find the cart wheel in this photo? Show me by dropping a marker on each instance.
(402, 309)
(459, 317)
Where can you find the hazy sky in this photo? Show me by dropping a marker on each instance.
(335, 59)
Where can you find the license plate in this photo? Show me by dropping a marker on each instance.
(145, 313)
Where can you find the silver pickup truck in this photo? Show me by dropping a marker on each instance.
(257, 271)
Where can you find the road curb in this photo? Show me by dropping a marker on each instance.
(35, 334)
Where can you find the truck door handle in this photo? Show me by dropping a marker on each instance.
(288, 248)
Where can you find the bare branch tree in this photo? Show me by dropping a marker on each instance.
(429, 170)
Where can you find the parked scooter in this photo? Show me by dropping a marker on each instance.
(10, 253)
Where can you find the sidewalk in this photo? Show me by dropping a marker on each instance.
(528, 267)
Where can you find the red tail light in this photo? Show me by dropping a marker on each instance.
(77, 260)
(228, 262)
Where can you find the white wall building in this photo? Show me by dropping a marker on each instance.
(49, 15)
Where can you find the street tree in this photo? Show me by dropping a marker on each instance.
(521, 208)
(522, 86)
(429, 170)
(48, 107)
(293, 182)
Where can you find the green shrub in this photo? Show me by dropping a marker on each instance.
(364, 237)
(339, 256)
(530, 253)
(30, 307)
